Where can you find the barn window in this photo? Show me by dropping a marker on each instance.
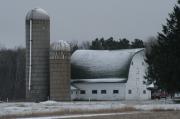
(144, 91)
(129, 92)
(82, 92)
(115, 91)
(94, 91)
(103, 91)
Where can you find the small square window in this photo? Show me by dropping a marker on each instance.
(82, 92)
(144, 82)
(144, 91)
(129, 92)
(94, 91)
(115, 91)
(103, 91)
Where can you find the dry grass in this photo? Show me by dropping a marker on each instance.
(143, 115)
(160, 110)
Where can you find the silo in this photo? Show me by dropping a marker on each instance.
(60, 71)
(37, 54)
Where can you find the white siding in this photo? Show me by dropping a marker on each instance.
(74, 94)
(136, 78)
(109, 87)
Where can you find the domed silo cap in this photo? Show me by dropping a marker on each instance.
(60, 46)
(37, 14)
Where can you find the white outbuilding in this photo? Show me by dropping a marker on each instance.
(109, 75)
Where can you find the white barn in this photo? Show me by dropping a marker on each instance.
(109, 75)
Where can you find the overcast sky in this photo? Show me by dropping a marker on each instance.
(84, 20)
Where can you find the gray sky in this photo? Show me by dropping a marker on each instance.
(84, 20)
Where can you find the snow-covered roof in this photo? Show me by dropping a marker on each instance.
(37, 13)
(100, 80)
(92, 64)
(60, 46)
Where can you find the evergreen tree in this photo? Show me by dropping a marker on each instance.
(123, 44)
(74, 46)
(103, 44)
(96, 45)
(137, 43)
(163, 60)
(110, 44)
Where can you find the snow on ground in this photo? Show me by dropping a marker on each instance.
(23, 108)
(82, 115)
(158, 107)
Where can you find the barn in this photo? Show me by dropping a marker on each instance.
(109, 75)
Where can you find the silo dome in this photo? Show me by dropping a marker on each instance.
(37, 13)
(60, 46)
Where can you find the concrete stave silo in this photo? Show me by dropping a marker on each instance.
(37, 54)
(60, 71)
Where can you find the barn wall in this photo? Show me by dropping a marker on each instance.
(136, 87)
(109, 87)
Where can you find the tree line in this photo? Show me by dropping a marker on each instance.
(111, 44)
(12, 74)
(108, 44)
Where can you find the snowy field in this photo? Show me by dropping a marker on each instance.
(27, 108)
